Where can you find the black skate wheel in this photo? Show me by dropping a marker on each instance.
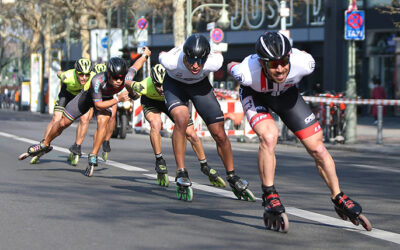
(365, 222)
(267, 221)
(355, 221)
(340, 214)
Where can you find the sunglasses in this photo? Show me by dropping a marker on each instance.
(200, 61)
(83, 74)
(274, 64)
(120, 77)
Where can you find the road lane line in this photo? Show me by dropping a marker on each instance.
(323, 219)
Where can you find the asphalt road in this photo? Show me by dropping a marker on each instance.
(52, 205)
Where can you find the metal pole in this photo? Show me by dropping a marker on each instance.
(283, 18)
(380, 125)
(327, 121)
(351, 109)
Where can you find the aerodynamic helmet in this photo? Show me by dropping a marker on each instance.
(196, 49)
(117, 68)
(272, 46)
(100, 67)
(83, 66)
(158, 73)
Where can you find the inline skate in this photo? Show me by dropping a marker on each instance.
(184, 189)
(213, 176)
(106, 150)
(92, 160)
(240, 187)
(36, 150)
(275, 217)
(350, 209)
(162, 172)
(75, 154)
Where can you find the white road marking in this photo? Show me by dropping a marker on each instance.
(386, 169)
(323, 219)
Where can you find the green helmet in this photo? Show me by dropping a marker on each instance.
(100, 67)
(83, 66)
(157, 74)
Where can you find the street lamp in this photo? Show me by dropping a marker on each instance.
(223, 21)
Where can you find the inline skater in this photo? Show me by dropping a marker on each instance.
(153, 103)
(268, 81)
(99, 68)
(106, 89)
(72, 82)
(187, 69)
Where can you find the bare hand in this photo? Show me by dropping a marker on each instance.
(123, 96)
(146, 51)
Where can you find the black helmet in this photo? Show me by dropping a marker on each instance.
(83, 66)
(196, 48)
(116, 68)
(272, 46)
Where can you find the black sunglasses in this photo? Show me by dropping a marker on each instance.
(200, 61)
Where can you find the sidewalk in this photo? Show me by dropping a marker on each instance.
(367, 137)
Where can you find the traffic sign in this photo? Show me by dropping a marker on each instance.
(217, 35)
(354, 25)
(142, 23)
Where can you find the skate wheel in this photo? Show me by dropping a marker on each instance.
(249, 196)
(340, 214)
(237, 194)
(163, 180)
(355, 221)
(284, 223)
(218, 182)
(70, 156)
(34, 160)
(89, 171)
(365, 222)
(23, 156)
(267, 221)
(104, 156)
(189, 194)
(75, 160)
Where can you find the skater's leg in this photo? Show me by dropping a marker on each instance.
(83, 126)
(223, 144)
(109, 132)
(180, 115)
(324, 162)
(102, 120)
(197, 146)
(57, 129)
(267, 132)
(56, 117)
(155, 131)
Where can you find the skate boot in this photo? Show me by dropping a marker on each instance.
(213, 176)
(162, 172)
(184, 190)
(275, 217)
(347, 208)
(36, 150)
(75, 154)
(240, 187)
(106, 149)
(92, 159)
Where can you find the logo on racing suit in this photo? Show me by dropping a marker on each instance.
(309, 119)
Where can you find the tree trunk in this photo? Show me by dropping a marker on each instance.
(179, 22)
(85, 36)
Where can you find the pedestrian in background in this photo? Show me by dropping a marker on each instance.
(378, 92)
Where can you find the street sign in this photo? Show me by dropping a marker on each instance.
(217, 35)
(142, 23)
(354, 25)
(219, 47)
